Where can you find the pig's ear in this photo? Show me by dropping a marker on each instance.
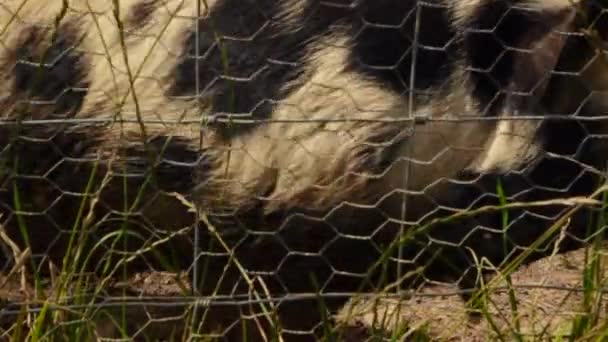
(536, 56)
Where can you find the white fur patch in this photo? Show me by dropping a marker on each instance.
(313, 163)
(291, 12)
(131, 82)
(512, 146)
(551, 5)
(440, 148)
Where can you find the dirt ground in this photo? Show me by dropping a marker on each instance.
(547, 291)
(548, 294)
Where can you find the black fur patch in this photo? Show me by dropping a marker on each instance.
(36, 164)
(52, 166)
(248, 56)
(246, 59)
(175, 163)
(494, 31)
(48, 69)
(385, 32)
(140, 14)
(548, 177)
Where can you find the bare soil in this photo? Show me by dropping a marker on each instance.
(548, 296)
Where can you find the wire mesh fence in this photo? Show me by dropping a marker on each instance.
(301, 169)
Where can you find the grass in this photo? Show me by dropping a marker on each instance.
(69, 306)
